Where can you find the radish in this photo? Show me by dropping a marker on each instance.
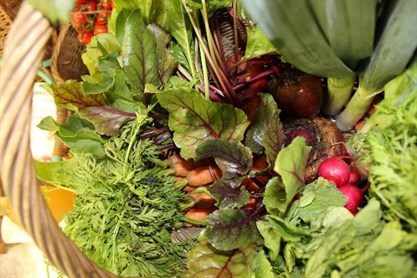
(354, 196)
(354, 176)
(335, 170)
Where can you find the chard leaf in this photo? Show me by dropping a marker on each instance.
(93, 107)
(318, 197)
(229, 194)
(266, 131)
(172, 17)
(290, 165)
(76, 133)
(140, 60)
(166, 62)
(231, 228)
(205, 261)
(195, 119)
(233, 158)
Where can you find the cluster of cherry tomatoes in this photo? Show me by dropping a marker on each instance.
(89, 18)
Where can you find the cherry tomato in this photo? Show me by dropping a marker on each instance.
(92, 6)
(107, 5)
(85, 37)
(99, 28)
(78, 17)
(81, 2)
(102, 17)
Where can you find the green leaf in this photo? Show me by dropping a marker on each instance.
(288, 231)
(258, 44)
(232, 228)
(266, 131)
(195, 120)
(172, 17)
(229, 194)
(318, 197)
(290, 165)
(76, 133)
(140, 60)
(272, 238)
(47, 171)
(92, 107)
(293, 30)
(167, 64)
(261, 267)
(205, 261)
(349, 26)
(233, 158)
(275, 198)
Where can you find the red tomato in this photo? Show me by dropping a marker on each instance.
(85, 37)
(78, 17)
(99, 28)
(102, 17)
(81, 2)
(92, 6)
(107, 5)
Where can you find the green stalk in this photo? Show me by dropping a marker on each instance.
(338, 94)
(393, 52)
(353, 112)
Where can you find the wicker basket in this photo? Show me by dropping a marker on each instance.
(24, 49)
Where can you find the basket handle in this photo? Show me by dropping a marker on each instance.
(24, 48)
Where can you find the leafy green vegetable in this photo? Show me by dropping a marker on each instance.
(56, 11)
(125, 207)
(229, 228)
(229, 194)
(140, 60)
(77, 133)
(387, 147)
(195, 120)
(265, 131)
(233, 159)
(204, 261)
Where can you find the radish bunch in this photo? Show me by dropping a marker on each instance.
(346, 177)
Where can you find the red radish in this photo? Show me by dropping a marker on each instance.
(354, 197)
(354, 176)
(336, 170)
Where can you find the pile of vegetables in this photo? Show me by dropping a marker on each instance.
(193, 116)
(89, 17)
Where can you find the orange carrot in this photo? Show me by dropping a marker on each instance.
(250, 185)
(250, 204)
(203, 199)
(180, 166)
(260, 163)
(198, 215)
(203, 175)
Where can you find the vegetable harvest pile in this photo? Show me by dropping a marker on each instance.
(232, 139)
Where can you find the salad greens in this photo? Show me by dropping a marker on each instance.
(147, 93)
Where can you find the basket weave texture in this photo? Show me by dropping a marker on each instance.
(24, 49)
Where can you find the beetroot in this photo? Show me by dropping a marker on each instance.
(336, 170)
(298, 94)
(354, 196)
(320, 133)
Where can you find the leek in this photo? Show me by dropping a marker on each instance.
(393, 52)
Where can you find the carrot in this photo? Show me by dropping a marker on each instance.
(198, 215)
(260, 163)
(250, 185)
(250, 204)
(203, 199)
(203, 175)
(180, 166)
